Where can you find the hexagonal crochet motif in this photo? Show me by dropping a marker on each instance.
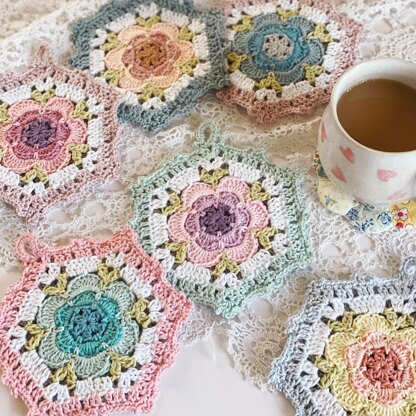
(225, 223)
(351, 351)
(163, 55)
(285, 55)
(57, 134)
(89, 328)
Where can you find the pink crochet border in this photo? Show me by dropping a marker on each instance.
(268, 113)
(33, 207)
(35, 257)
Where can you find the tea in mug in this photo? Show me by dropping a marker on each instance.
(380, 114)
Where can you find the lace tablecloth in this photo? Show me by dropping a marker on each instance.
(203, 372)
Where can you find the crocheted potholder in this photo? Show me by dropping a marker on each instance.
(89, 328)
(164, 55)
(225, 223)
(285, 55)
(352, 349)
(57, 133)
(365, 218)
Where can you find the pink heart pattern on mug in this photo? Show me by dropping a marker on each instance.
(348, 154)
(323, 133)
(337, 172)
(396, 196)
(385, 175)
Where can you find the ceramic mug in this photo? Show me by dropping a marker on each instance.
(371, 176)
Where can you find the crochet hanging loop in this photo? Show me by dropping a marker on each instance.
(29, 248)
(208, 133)
(43, 56)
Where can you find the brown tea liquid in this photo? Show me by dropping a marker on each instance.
(380, 114)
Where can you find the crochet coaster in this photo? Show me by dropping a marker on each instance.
(225, 223)
(365, 218)
(57, 133)
(89, 328)
(286, 55)
(351, 351)
(164, 55)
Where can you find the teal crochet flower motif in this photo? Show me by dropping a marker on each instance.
(286, 55)
(89, 324)
(282, 47)
(86, 324)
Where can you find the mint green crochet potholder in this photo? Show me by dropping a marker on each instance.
(225, 223)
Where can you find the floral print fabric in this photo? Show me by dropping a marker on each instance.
(365, 218)
(162, 55)
(87, 324)
(225, 223)
(285, 56)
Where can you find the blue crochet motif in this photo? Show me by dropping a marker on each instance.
(184, 76)
(279, 47)
(89, 324)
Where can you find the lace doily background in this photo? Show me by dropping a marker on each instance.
(257, 337)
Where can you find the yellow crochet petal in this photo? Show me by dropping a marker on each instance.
(365, 323)
(401, 409)
(336, 345)
(408, 335)
(346, 395)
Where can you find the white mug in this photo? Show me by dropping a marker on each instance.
(369, 175)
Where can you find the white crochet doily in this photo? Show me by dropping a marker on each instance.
(257, 336)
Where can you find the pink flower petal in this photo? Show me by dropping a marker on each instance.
(167, 29)
(195, 191)
(60, 161)
(235, 186)
(204, 202)
(354, 355)
(78, 131)
(4, 128)
(403, 349)
(228, 198)
(176, 227)
(61, 105)
(389, 397)
(361, 384)
(245, 250)
(192, 225)
(114, 59)
(209, 242)
(129, 33)
(16, 165)
(259, 216)
(234, 238)
(22, 107)
(197, 255)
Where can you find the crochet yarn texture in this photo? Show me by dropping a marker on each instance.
(225, 223)
(57, 134)
(89, 328)
(286, 55)
(352, 349)
(164, 55)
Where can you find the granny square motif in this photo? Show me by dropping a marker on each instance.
(164, 55)
(285, 55)
(225, 223)
(89, 328)
(57, 134)
(351, 351)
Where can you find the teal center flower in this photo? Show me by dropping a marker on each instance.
(279, 46)
(89, 324)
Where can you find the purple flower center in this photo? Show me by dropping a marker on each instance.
(217, 219)
(38, 133)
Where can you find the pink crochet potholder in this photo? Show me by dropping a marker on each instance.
(89, 328)
(285, 55)
(57, 133)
